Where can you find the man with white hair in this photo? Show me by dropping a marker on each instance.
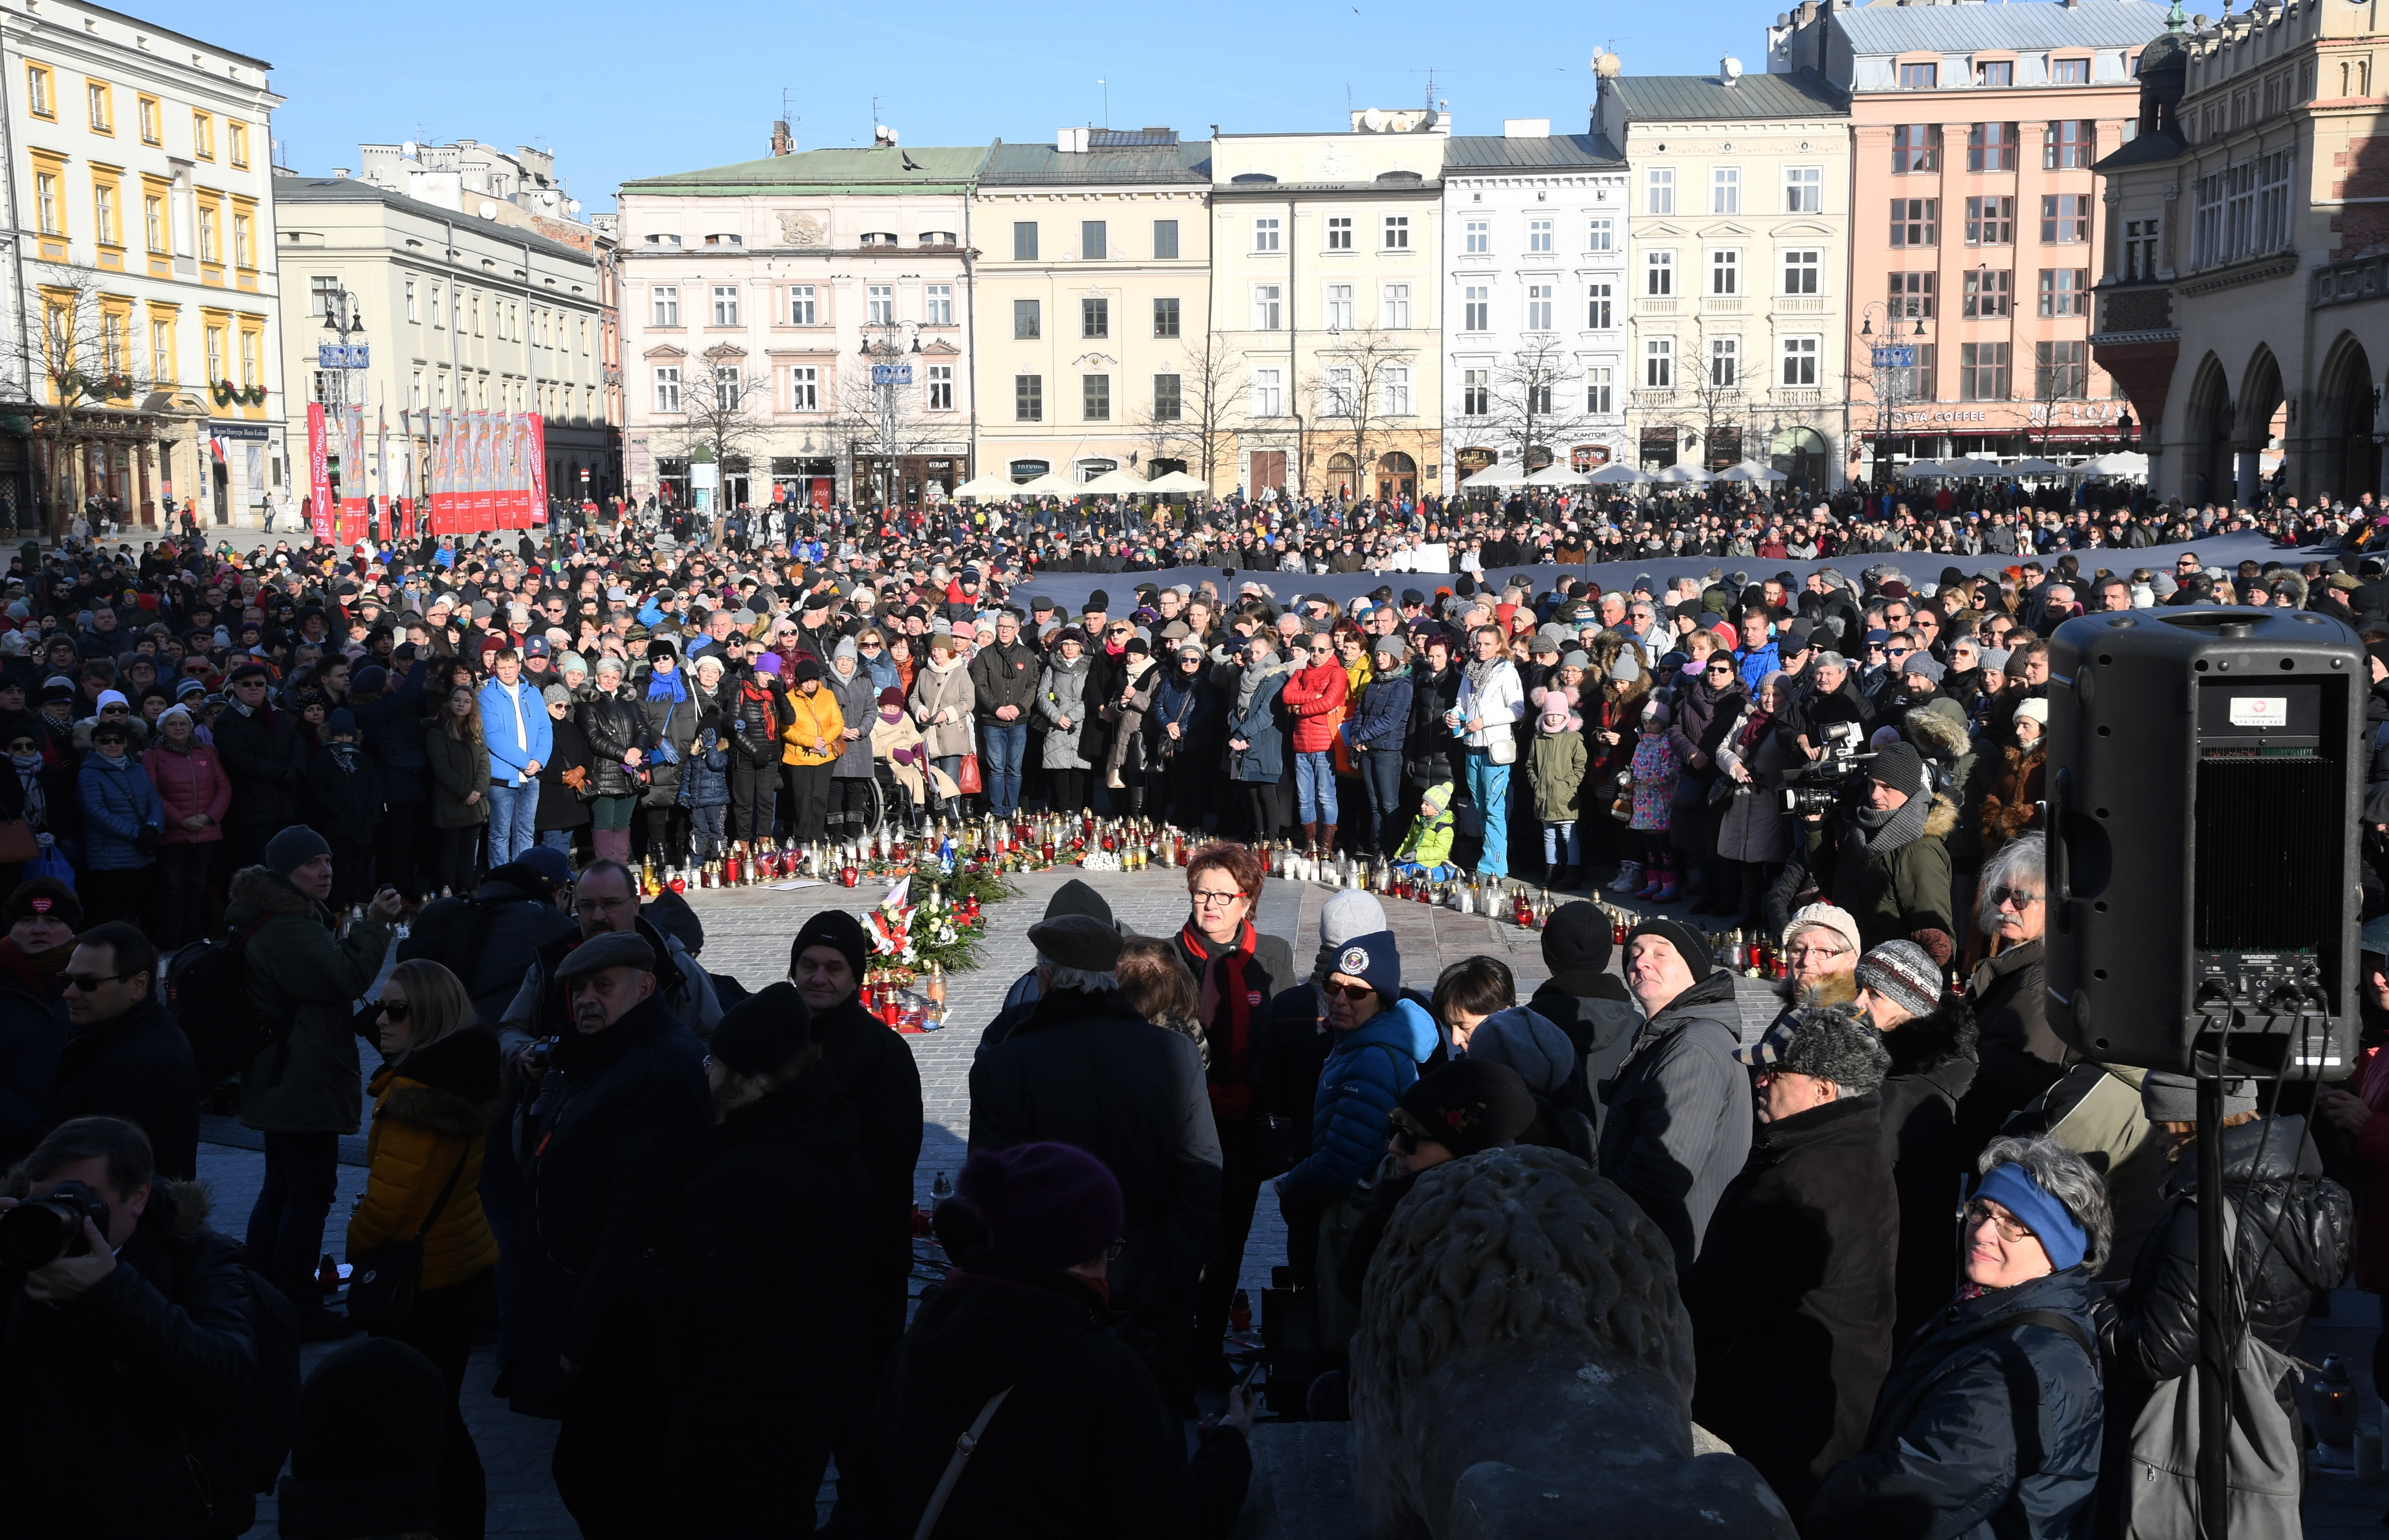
(1085, 1069)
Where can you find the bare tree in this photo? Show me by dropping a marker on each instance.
(1210, 394)
(720, 419)
(1715, 384)
(1365, 377)
(2057, 380)
(1532, 407)
(79, 356)
(885, 420)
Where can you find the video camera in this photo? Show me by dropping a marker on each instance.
(40, 1231)
(1824, 780)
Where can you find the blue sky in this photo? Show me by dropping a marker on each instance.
(620, 91)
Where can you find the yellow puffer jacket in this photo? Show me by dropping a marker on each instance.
(432, 1109)
(813, 717)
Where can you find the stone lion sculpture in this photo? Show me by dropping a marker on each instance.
(1524, 1369)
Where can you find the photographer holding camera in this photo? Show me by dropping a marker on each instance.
(129, 1362)
(1873, 845)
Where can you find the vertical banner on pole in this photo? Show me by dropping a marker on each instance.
(509, 473)
(319, 476)
(387, 500)
(353, 473)
(443, 518)
(485, 511)
(535, 438)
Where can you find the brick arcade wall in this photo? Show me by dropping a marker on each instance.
(2360, 170)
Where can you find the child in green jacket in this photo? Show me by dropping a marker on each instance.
(1427, 848)
(1555, 769)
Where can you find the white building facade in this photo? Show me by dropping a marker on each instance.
(1534, 300)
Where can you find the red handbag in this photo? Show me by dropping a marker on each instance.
(969, 779)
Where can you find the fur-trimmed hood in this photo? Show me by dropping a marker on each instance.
(1935, 735)
(452, 1089)
(1923, 1044)
(262, 890)
(1832, 989)
(1943, 820)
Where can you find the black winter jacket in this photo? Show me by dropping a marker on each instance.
(343, 804)
(1082, 1449)
(1601, 1025)
(877, 1068)
(1676, 1128)
(33, 1030)
(1791, 1300)
(488, 941)
(267, 760)
(614, 726)
(757, 710)
(1429, 750)
(1931, 1064)
(138, 1067)
(1003, 676)
(622, 1122)
(559, 806)
(120, 1414)
(1086, 1070)
(1986, 1428)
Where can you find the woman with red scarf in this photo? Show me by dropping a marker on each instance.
(1236, 969)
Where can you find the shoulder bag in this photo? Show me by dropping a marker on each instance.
(382, 1282)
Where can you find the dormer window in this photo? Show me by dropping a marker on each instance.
(879, 237)
(2069, 71)
(939, 238)
(725, 240)
(663, 240)
(1994, 72)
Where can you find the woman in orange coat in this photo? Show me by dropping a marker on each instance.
(434, 1099)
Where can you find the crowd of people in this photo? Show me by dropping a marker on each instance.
(626, 1165)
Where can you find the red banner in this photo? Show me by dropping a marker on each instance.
(319, 476)
(352, 475)
(535, 450)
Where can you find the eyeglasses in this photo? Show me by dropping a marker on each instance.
(1352, 991)
(2009, 1227)
(86, 983)
(1822, 954)
(396, 1011)
(1215, 899)
(2001, 898)
(1900, 652)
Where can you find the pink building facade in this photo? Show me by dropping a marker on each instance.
(1977, 220)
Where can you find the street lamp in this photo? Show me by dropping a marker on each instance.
(344, 316)
(884, 345)
(1894, 383)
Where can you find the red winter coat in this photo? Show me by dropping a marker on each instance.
(1315, 696)
(188, 783)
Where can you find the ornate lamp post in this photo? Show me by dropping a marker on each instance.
(1892, 367)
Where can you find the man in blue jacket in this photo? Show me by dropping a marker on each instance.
(1381, 1039)
(515, 725)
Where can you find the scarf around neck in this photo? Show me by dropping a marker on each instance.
(1228, 1003)
(1879, 833)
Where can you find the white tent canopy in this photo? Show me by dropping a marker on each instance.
(1178, 482)
(2124, 462)
(1048, 485)
(1119, 483)
(1974, 468)
(1499, 474)
(1921, 470)
(1557, 475)
(1751, 470)
(2035, 466)
(986, 489)
(1683, 473)
(1617, 473)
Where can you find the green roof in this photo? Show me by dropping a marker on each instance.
(881, 170)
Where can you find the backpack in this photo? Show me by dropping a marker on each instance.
(273, 1415)
(207, 991)
(2265, 1457)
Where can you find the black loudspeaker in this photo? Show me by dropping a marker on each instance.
(2204, 786)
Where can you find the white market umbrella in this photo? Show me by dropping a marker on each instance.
(1974, 468)
(1683, 473)
(1179, 482)
(986, 489)
(2124, 462)
(1619, 473)
(1751, 470)
(1048, 485)
(1921, 470)
(1497, 475)
(1115, 483)
(2035, 466)
(1558, 475)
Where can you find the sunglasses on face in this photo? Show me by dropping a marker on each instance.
(1352, 991)
(86, 983)
(396, 1011)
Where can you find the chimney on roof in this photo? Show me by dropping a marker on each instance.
(340, 173)
(783, 142)
(1071, 140)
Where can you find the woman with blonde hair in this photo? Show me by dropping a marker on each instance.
(434, 1099)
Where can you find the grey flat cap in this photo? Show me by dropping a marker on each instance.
(614, 949)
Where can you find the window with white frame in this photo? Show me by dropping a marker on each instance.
(1659, 273)
(1339, 306)
(2065, 291)
(803, 309)
(1394, 313)
(1725, 360)
(1266, 234)
(2140, 249)
(1269, 309)
(1475, 392)
(1800, 361)
(665, 298)
(1659, 190)
(415, 392)
(727, 386)
(1398, 232)
(1596, 389)
(804, 388)
(1538, 306)
(942, 388)
(1339, 232)
(1477, 308)
(725, 305)
(1538, 234)
(879, 304)
(1725, 272)
(1335, 393)
(1596, 305)
(1725, 190)
(1659, 363)
(1600, 234)
(1394, 392)
(667, 387)
(938, 305)
(1804, 189)
(1476, 237)
(1269, 393)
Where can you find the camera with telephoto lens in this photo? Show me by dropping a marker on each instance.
(1823, 782)
(40, 1231)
